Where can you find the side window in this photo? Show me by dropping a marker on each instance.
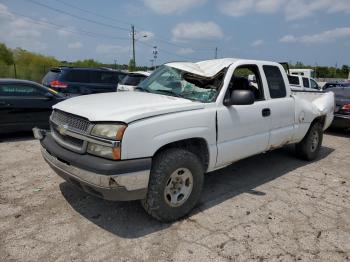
(102, 77)
(79, 76)
(306, 82)
(20, 90)
(293, 80)
(275, 81)
(247, 77)
(314, 85)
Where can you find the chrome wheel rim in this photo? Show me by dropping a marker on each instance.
(178, 187)
(314, 141)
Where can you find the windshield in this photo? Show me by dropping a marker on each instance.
(132, 80)
(174, 82)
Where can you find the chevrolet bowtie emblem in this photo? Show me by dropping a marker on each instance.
(62, 129)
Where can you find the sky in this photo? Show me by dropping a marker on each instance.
(315, 32)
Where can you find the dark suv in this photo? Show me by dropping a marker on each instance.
(73, 80)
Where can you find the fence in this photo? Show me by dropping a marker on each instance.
(29, 72)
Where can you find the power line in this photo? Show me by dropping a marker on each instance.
(77, 17)
(92, 13)
(64, 28)
(169, 52)
(92, 34)
(163, 40)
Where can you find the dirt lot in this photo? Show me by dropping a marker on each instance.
(270, 207)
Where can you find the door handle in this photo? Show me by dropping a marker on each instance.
(266, 112)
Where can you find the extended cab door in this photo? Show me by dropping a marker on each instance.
(243, 130)
(281, 105)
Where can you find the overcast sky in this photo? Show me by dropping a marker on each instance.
(311, 31)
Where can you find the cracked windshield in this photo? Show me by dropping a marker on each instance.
(175, 82)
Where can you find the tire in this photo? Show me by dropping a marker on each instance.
(168, 166)
(309, 147)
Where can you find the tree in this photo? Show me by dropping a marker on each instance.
(6, 55)
(132, 65)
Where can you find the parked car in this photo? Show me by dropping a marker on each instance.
(303, 83)
(342, 101)
(73, 80)
(132, 80)
(25, 104)
(187, 119)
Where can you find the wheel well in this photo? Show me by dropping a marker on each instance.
(320, 119)
(197, 146)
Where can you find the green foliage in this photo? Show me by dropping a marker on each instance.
(6, 56)
(132, 65)
(325, 71)
(27, 65)
(32, 66)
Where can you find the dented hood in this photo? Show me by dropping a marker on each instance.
(208, 68)
(125, 106)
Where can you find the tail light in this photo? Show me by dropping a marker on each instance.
(346, 107)
(58, 84)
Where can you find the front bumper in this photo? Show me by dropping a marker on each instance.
(341, 121)
(107, 179)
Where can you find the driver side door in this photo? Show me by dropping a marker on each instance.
(243, 130)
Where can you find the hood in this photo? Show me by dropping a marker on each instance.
(125, 106)
(208, 68)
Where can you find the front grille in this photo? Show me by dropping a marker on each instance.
(68, 139)
(72, 121)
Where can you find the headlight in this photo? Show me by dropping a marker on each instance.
(109, 131)
(104, 151)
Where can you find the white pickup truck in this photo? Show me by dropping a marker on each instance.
(302, 83)
(185, 120)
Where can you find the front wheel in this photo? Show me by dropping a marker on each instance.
(175, 184)
(309, 147)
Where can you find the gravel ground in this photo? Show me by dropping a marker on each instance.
(270, 207)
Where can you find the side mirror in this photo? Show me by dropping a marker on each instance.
(49, 96)
(240, 97)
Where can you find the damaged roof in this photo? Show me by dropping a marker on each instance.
(208, 68)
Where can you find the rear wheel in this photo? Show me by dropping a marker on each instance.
(175, 184)
(309, 147)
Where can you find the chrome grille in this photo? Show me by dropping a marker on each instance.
(72, 121)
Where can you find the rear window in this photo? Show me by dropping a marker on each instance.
(80, 76)
(51, 75)
(306, 82)
(275, 81)
(293, 80)
(132, 80)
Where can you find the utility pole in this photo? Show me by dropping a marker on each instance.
(14, 67)
(115, 64)
(216, 52)
(133, 43)
(151, 60)
(155, 54)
